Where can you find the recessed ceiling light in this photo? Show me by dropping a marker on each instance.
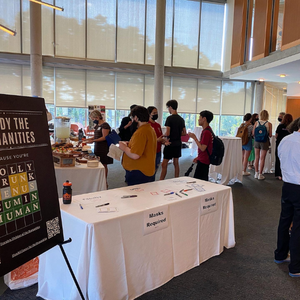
(261, 79)
(282, 75)
(284, 88)
(299, 82)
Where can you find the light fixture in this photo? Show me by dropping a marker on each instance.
(284, 88)
(299, 82)
(261, 79)
(47, 4)
(2, 27)
(282, 75)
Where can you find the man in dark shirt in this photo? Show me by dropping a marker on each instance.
(175, 129)
(127, 127)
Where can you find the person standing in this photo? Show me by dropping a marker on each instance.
(205, 145)
(246, 149)
(140, 152)
(102, 129)
(288, 153)
(175, 129)
(281, 132)
(127, 127)
(261, 147)
(152, 110)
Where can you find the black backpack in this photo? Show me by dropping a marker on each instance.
(217, 154)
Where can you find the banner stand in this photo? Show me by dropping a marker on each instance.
(69, 266)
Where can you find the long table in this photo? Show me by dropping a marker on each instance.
(149, 239)
(84, 179)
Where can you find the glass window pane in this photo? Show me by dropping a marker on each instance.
(70, 87)
(248, 104)
(129, 90)
(186, 32)
(150, 32)
(120, 114)
(70, 28)
(167, 91)
(168, 32)
(110, 117)
(280, 24)
(48, 85)
(211, 36)
(149, 90)
(26, 26)
(214, 124)
(131, 31)
(190, 121)
(77, 115)
(10, 17)
(184, 91)
(26, 77)
(229, 125)
(101, 29)
(209, 95)
(233, 98)
(10, 79)
(101, 89)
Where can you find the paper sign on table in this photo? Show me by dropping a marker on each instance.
(156, 219)
(208, 204)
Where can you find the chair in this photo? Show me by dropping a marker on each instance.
(185, 141)
(89, 132)
(75, 128)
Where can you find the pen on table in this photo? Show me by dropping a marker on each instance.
(181, 192)
(169, 194)
(128, 196)
(178, 195)
(187, 190)
(191, 182)
(80, 206)
(102, 204)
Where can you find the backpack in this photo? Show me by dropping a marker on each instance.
(261, 133)
(218, 150)
(242, 133)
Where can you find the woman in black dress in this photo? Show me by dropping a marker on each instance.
(281, 132)
(102, 129)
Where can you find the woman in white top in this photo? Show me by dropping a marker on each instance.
(261, 148)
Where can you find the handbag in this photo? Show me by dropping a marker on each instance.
(112, 138)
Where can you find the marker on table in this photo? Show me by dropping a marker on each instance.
(80, 206)
(178, 195)
(128, 196)
(169, 194)
(181, 192)
(187, 190)
(102, 204)
(192, 182)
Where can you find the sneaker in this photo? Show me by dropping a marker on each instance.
(245, 173)
(261, 177)
(288, 259)
(294, 274)
(256, 175)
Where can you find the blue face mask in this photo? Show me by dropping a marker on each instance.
(96, 122)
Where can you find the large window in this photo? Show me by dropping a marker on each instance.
(121, 31)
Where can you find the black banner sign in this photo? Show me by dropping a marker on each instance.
(30, 221)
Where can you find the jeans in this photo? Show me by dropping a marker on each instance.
(137, 177)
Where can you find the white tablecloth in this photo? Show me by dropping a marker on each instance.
(84, 179)
(230, 170)
(194, 149)
(111, 256)
(270, 157)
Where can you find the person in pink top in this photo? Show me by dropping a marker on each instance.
(205, 145)
(152, 110)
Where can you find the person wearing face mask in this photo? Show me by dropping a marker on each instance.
(102, 129)
(281, 116)
(128, 126)
(152, 110)
(140, 152)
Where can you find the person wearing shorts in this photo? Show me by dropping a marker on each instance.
(248, 147)
(175, 129)
(261, 148)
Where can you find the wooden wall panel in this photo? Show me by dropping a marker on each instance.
(239, 32)
(262, 28)
(291, 24)
(293, 106)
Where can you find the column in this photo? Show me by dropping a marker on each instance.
(259, 96)
(159, 58)
(36, 67)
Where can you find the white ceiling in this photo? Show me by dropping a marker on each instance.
(270, 73)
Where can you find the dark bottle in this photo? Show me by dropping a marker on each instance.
(67, 192)
(80, 134)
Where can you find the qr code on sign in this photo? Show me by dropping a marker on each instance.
(53, 228)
